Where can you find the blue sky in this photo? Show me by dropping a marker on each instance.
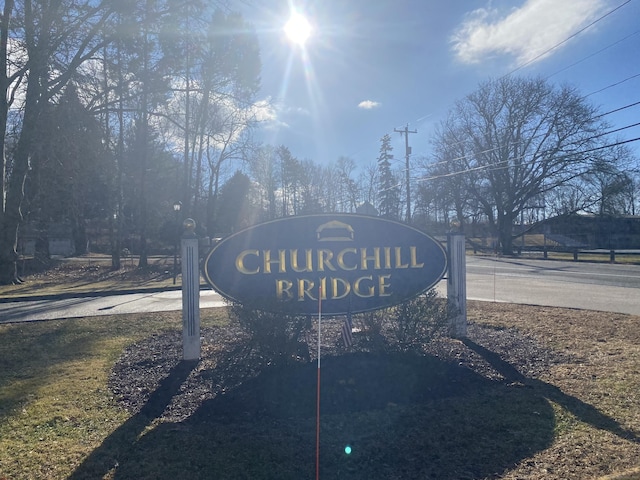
(373, 66)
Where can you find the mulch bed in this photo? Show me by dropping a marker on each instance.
(524, 396)
(225, 365)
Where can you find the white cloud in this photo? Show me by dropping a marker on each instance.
(277, 115)
(269, 114)
(265, 111)
(368, 104)
(297, 111)
(524, 33)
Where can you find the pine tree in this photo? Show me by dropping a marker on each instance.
(389, 189)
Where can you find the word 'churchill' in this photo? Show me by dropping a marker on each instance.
(253, 261)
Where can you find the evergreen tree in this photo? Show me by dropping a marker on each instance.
(236, 208)
(389, 189)
(69, 181)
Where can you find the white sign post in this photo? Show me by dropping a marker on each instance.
(190, 293)
(457, 285)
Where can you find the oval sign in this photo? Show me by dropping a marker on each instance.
(356, 263)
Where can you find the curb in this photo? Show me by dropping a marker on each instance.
(102, 293)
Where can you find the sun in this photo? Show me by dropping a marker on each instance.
(298, 29)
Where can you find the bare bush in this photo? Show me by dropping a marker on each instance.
(278, 338)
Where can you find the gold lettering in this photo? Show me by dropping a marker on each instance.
(324, 260)
(383, 284)
(399, 263)
(356, 287)
(414, 258)
(340, 259)
(323, 288)
(334, 288)
(240, 262)
(304, 289)
(293, 255)
(282, 266)
(365, 258)
(283, 289)
(387, 258)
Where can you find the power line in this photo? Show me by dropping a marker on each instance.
(593, 54)
(489, 150)
(537, 57)
(585, 96)
(599, 51)
(615, 130)
(523, 156)
(613, 85)
(575, 63)
(500, 165)
(617, 110)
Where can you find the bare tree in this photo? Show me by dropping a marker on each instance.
(516, 139)
(56, 38)
(290, 181)
(212, 103)
(368, 182)
(349, 188)
(264, 169)
(606, 185)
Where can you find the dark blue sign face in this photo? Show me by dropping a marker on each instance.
(354, 263)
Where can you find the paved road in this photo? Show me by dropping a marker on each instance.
(107, 305)
(591, 286)
(605, 287)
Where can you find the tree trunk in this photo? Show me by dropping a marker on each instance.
(8, 252)
(79, 235)
(143, 217)
(4, 99)
(115, 245)
(9, 217)
(42, 255)
(505, 234)
(12, 215)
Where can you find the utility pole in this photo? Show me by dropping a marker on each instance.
(406, 133)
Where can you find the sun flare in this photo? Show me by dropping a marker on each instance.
(298, 29)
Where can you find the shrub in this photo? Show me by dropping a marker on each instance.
(282, 337)
(407, 326)
(372, 335)
(416, 322)
(278, 338)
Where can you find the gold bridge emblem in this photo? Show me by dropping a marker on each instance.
(335, 231)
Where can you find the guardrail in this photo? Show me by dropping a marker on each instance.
(575, 252)
(583, 252)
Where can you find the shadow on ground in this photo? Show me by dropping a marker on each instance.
(404, 416)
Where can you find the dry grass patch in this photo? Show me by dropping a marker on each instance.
(92, 273)
(602, 370)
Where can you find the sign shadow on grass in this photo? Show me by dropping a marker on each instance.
(402, 415)
(115, 448)
(581, 410)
